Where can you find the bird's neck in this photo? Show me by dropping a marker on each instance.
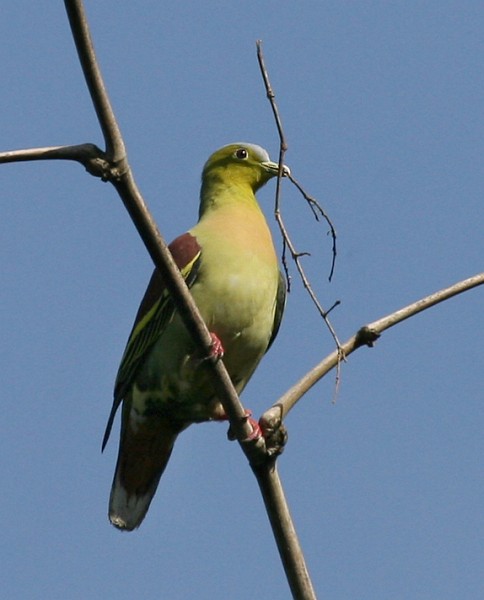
(218, 193)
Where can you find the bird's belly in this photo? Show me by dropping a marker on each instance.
(240, 312)
(174, 380)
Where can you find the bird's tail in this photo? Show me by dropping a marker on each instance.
(144, 451)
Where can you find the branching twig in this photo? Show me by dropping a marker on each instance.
(315, 207)
(282, 151)
(318, 211)
(366, 336)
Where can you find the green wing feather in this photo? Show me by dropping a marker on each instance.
(147, 331)
(150, 323)
(280, 305)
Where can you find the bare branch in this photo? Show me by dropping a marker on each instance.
(318, 211)
(149, 233)
(365, 336)
(282, 151)
(254, 449)
(112, 165)
(115, 149)
(89, 155)
(398, 316)
(315, 207)
(271, 96)
(284, 532)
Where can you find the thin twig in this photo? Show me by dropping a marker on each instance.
(365, 336)
(282, 152)
(285, 534)
(318, 211)
(315, 207)
(271, 96)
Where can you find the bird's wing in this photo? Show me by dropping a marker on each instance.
(279, 309)
(155, 312)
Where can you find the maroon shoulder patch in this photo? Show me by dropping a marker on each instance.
(184, 248)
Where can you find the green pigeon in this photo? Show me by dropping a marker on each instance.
(229, 263)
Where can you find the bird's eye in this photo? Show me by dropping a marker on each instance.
(241, 153)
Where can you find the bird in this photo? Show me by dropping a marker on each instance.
(230, 265)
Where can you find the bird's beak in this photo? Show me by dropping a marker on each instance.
(273, 168)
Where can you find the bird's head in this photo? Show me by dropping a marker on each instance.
(241, 164)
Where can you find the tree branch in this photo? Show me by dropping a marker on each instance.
(365, 336)
(268, 479)
(125, 184)
(315, 207)
(89, 155)
(112, 165)
(123, 180)
(284, 532)
(115, 149)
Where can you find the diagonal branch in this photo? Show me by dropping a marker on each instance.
(126, 187)
(113, 140)
(365, 336)
(284, 532)
(267, 476)
(112, 165)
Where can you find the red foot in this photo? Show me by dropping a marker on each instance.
(256, 428)
(217, 350)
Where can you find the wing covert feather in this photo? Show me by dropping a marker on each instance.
(155, 312)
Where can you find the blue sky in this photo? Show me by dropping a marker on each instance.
(382, 104)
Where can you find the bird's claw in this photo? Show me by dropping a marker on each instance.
(274, 434)
(216, 349)
(215, 353)
(256, 430)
